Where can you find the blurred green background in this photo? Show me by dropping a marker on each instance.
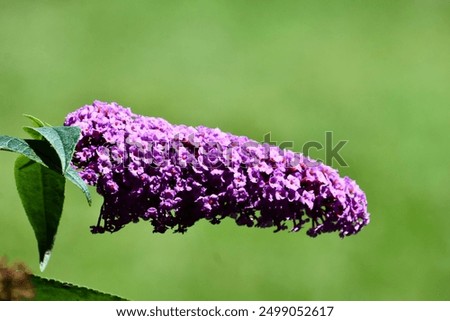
(376, 73)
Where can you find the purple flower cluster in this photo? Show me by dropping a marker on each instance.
(174, 175)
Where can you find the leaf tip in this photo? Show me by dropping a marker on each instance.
(35, 120)
(44, 262)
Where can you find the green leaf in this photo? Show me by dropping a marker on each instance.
(46, 153)
(52, 290)
(30, 131)
(67, 137)
(51, 160)
(13, 144)
(35, 120)
(43, 153)
(40, 178)
(72, 175)
(42, 193)
(63, 139)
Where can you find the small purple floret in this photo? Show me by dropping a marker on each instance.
(174, 175)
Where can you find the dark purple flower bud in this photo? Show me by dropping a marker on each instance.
(175, 175)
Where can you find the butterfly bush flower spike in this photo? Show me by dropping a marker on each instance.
(174, 175)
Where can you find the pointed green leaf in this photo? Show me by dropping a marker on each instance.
(13, 144)
(46, 153)
(41, 152)
(35, 120)
(52, 290)
(42, 193)
(30, 131)
(37, 150)
(63, 139)
(51, 160)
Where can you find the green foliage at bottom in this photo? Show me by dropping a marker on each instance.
(52, 290)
